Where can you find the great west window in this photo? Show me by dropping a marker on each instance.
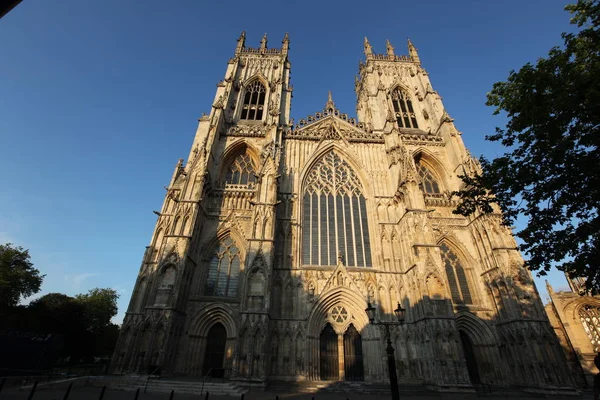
(334, 215)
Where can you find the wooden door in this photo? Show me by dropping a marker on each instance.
(353, 359)
(329, 354)
(215, 350)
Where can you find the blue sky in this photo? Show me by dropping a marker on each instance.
(99, 99)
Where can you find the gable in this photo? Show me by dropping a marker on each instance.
(330, 124)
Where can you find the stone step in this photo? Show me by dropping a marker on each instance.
(194, 387)
(342, 387)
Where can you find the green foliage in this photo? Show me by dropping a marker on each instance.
(550, 173)
(100, 305)
(83, 321)
(18, 278)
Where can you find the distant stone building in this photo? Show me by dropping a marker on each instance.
(575, 317)
(275, 235)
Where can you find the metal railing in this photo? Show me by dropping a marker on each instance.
(150, 376)
(210, 371)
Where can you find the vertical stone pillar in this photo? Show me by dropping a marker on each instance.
(341, 369)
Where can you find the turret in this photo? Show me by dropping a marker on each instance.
(285, 44)
(390, 49)
(412, 52)
(368, 49)
(241, 43)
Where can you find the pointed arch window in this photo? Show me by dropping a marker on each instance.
(590, 319)
(334, 216)
(428, 184)
(224, 270)
(458, 279)
(403, 108)
(241, 171)
(254, 101)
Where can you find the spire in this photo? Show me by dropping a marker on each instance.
(412, 52)
(285, 44)
(241, 43)
(263, 43)
(330, 105)
(549, 287)
(368, 48)
(390, 48)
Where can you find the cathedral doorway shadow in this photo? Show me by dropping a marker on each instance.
(332, 346)
(353, 358)
(215, 351)
(329, 360)
(470, 358)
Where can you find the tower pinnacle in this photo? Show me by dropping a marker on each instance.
(263, 42)
(285, 44)
(412, 52)
(368, 48)
(389, 48)
(241, 42)
(330, 105)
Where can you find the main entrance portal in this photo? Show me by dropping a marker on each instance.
(353, 360)
(329, 360)
(470, 358)
(215, 350)
(330, 348)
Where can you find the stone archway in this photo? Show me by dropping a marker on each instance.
(213, 317)
(337, 328)
(480, 351)
(215, 350)
(470, 358)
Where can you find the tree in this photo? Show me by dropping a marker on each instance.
(99, 305)
(550, 173)
(18, 278)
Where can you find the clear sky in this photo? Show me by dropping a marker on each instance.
(99, 99)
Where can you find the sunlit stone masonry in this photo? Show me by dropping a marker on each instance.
(275, 235)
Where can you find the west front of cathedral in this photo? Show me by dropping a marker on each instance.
(275, 235)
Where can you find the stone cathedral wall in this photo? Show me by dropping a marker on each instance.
(244, 275)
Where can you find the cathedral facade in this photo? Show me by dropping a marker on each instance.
(275, 235)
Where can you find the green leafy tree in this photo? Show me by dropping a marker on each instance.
(550, 173)
(100, 305)
(18, 277)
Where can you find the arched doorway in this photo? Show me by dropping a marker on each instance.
(353, 360)
(329, 360)
(215, 350)
(470, 357)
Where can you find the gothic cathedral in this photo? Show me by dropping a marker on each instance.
(275, 236)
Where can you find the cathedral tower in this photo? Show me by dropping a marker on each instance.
(276, 235)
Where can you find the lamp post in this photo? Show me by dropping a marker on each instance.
(400, 315)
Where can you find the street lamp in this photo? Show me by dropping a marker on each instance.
(400, 315)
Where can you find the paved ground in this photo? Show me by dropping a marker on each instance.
(93, 393)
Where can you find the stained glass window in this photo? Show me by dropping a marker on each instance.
(254, 101)
(241, 171)
(405, 115)
(428, 183)
(457, 276)
(334, 215)
(224, 270)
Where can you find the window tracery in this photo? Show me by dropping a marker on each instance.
(223, 270)
(334, 215)
(254, 101)
(457, 277)
(241, 171)
(428, 184)
(590, 319)
(405, 114)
